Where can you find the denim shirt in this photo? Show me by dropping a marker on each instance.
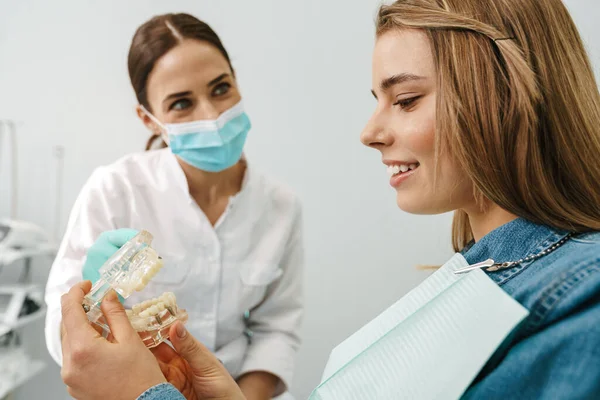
(555, 352)
(162, 391)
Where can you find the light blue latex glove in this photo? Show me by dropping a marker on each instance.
(105, 246)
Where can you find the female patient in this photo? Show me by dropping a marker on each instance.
(490, 109)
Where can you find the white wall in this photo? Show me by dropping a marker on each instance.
(304, 70)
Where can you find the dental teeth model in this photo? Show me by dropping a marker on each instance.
(130, 269)
(153, 318)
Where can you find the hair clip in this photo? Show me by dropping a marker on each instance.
(504, 38)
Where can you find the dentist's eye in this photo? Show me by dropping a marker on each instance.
(221, 89)
(180, 104)
(408, 103)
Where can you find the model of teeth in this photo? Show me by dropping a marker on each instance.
(141, 277)
(130, 269)
(153, 318)
(398, 169)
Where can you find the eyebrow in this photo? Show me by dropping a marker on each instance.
(398, 79)
(217, 79)
(177, 95)
(393, 80)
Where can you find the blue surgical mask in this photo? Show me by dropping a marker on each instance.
(209, 145)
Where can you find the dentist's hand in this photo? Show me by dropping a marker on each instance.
(95, 368)
(193, 369)
(105, 246)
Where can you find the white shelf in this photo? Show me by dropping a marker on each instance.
(43, 250)
(22, 322)
(30, 318)
(7, 385)
(9, 255)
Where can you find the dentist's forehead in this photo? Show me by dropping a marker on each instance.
(189, 66)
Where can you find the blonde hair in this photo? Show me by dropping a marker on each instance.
(518, 106)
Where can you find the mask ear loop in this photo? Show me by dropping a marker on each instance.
(164, 136)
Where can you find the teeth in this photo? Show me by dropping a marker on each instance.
(142, 281)
(153, 310)
(151, 307)
(138, 324)
(169, 299)
(163, 299)
(146, 303)
(151, 317)
(153, 272)
(396, 169)
(393, 170)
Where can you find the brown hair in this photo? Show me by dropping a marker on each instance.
(154, 39)
(518, 105)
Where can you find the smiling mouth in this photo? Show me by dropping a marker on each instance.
(399, 169)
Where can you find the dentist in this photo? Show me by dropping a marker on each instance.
(230, 237)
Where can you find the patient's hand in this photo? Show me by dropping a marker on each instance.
(87, 354)
(176, 370)
(193, 369)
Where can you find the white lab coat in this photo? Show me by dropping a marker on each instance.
(252, 258)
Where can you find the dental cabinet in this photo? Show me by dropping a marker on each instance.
(21, 304)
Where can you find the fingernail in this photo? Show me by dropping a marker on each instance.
(111, 295)
(180, 330)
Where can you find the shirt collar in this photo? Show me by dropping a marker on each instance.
(180, 181)
(513, 241)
